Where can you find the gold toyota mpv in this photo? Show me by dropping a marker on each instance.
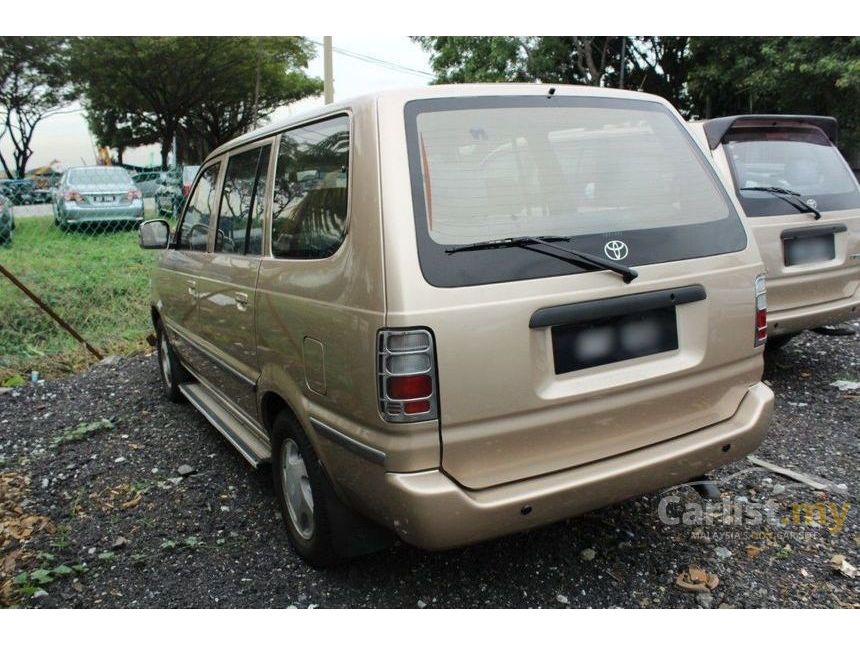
(803, 205)
(457, 312)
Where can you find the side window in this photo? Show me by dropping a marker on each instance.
(240, 219)
(194, 231)
(310, 196)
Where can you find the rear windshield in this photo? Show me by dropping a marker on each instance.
(98, 176)
(799, 159)
(595, 169)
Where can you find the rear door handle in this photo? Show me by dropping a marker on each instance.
(241, 301)
(192, 288)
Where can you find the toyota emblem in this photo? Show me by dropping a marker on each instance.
(615, 250)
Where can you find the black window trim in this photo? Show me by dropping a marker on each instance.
(270, 192)
(203, 168)
(438, 268)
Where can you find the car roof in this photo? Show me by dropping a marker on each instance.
(432, 91)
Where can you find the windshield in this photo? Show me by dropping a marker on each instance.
(100, 175)
(593, 169)
(799, 159)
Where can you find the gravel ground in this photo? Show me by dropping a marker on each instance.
(113, 523)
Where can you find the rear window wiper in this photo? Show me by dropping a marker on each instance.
(789, 196)
(576, 257)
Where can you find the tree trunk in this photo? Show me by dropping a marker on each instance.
(166, 144)
(119, 152)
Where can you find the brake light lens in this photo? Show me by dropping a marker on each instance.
(73, 196)
(407, 375)
(186, 188)
(133, 194)
(760, 310)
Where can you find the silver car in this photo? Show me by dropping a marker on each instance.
(7, 221)
(97, 195)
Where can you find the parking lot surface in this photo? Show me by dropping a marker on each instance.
(131, 501)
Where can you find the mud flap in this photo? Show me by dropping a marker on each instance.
(353, 534)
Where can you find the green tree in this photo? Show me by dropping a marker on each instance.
(781, 75)
(211, 88)
(118, 130)
(650, 63)
(659, 65)
(477, 59)
(266, 76)
(703, 77)
(589, 60)
(34, 84)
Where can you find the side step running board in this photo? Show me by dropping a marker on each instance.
(253, 449)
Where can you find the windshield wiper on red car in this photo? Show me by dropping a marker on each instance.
(789, 196)
(581, 258)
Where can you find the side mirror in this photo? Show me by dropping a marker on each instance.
(154, 234)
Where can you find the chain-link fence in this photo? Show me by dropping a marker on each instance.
(71, 240)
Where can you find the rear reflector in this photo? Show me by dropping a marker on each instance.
(407, 375)
(760, 310)
(409, 387)
(416, 407)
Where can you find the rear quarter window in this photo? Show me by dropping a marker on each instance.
(310, 200)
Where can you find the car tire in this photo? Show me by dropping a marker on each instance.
(170, 368)
(296, 470)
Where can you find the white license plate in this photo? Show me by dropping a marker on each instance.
(103, 199)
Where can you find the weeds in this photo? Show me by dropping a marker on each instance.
(99, 282)
(80, 432)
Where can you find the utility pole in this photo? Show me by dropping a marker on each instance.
(328, 81)
(623, 60)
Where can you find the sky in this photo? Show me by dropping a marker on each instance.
(65, 137)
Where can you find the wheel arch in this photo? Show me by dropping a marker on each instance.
(271, 405)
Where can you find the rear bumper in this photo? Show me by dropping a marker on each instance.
(83, 214)
(429, 510)
(790, 321)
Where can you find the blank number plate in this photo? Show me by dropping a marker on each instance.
(808, 250)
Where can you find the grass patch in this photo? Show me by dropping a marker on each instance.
(80, 431)
(98, 281)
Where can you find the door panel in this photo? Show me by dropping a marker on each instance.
(178, 278)
(227, 336)
(227, 300)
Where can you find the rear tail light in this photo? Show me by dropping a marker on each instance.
(186, 188)
(133, 194)
(73, 196)
(407, 375)
(760, 310)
